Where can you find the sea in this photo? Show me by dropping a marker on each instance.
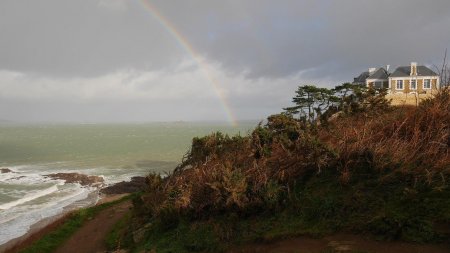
(116, 152)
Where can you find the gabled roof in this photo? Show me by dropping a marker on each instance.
(380, 73)
(361, 78)
(405, 71)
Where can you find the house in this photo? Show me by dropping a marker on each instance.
(413, 79)
(378, 78)
(405, 79)
(361, 79)
(406, 85)
(375, 77)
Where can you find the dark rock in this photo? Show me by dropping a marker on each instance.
(82, 179)
(16, 178)
(135, 185)
(6, 170)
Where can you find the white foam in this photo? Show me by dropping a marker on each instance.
(29, 197)
(32, 205)
(23, 217)
(28, 175)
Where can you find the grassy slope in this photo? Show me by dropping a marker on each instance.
(322, 206)
(51, 241)
(382, 173)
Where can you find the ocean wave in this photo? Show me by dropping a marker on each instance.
(29, 176)
(29, 197)
(19, 219)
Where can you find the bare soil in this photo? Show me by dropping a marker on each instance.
(91, 236)
(93, 232)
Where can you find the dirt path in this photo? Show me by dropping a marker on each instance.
(340, 243)
(91, 236)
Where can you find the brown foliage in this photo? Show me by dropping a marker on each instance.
(256, 172)
(223, 173)
(411, 140)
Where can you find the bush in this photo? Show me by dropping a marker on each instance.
(371, 168)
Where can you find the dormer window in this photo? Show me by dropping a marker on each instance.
(427, 84)
(399, 85)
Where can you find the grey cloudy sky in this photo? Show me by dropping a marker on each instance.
(113, 60)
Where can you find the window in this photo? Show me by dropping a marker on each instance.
(413, 84)
(399, 84)
(427, 84)
(378, 85)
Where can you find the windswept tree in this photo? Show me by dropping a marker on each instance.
(349, 96)
(310, 102)
(313, 104)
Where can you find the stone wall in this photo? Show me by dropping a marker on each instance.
(408, 98)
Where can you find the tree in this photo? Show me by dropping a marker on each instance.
(444, 71)
(310, 101)
(313, 104)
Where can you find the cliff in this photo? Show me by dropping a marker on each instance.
(371, 169)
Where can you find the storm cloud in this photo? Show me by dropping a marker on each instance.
(113, 60)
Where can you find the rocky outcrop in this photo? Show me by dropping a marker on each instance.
(82, 179)
(6, 170)
(135, 185)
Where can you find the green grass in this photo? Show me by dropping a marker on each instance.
(51, 241)
(211, 235)
(320, 206)
(187, 237)
(117, 237)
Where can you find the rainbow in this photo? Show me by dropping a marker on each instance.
(184, 43)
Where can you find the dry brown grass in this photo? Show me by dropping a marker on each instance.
(243, 178)
(413, 141)
(256, 172)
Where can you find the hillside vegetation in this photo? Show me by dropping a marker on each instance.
(338, 160)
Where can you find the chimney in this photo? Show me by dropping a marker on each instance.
(413, 69)
(372, 70)
(387, 68)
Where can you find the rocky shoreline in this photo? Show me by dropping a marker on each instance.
(82, 179)
(5, 170)
(136, 184)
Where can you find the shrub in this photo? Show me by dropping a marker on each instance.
(368, 168)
